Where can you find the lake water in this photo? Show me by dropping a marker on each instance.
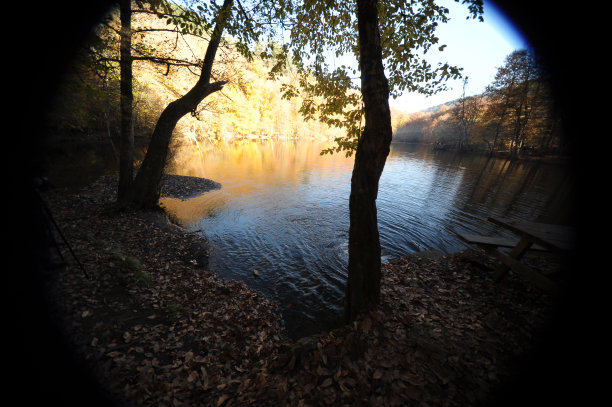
(280, 222)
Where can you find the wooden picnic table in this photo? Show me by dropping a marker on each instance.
(557, 238)
(541, 236)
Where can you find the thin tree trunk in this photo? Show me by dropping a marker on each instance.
(363, 285)
(110, 136)
(146, 188)
(126, 158)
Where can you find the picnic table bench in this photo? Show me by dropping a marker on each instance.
(530, 236)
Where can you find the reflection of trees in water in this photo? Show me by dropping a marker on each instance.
(289, 219)
(190, 212)
(270, 161)
(561, 202)
(530, 190)
(245, 167)
(483, 186)
(472, 186)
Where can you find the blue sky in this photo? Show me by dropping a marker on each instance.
(479, 47)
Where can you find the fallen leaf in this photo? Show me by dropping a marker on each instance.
(205, 382)
(411, 378)
(291, 364)
(188, 356)
(330, 399)
(192, 376)
(344, 388)
(222, 399)
(222, 322)
(366, 324)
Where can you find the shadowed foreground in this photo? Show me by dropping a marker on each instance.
(156, 328)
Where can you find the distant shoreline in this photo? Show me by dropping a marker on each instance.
(557, 159)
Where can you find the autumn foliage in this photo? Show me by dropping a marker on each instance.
(515, 115)
(250, 106)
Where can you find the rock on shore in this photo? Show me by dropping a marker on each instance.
(173, 186)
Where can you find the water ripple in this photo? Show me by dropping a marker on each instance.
(286, 235)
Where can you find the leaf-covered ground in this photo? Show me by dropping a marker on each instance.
(156, 328)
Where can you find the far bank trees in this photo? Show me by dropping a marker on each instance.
(520, 101)
(515, 115)
(464, 116)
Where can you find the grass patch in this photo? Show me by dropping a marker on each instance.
(132, 266)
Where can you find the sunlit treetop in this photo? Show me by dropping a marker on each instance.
(249, 22)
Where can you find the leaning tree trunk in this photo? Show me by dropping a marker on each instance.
(146, 188)
(363, 285)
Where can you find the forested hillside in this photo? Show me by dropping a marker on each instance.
(515, 115)
(251, 105)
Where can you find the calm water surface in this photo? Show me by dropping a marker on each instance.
(283, 213)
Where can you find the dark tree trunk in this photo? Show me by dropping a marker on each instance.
(146, 189)
(126, 155)
(363, 285)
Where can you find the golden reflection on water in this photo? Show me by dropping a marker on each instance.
(244, 167)
(271, 161)
(283, 210)
(252, 170)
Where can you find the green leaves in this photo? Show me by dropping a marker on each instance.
(319, 35)
(322, 29)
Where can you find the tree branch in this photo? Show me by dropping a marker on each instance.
(215, 40)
